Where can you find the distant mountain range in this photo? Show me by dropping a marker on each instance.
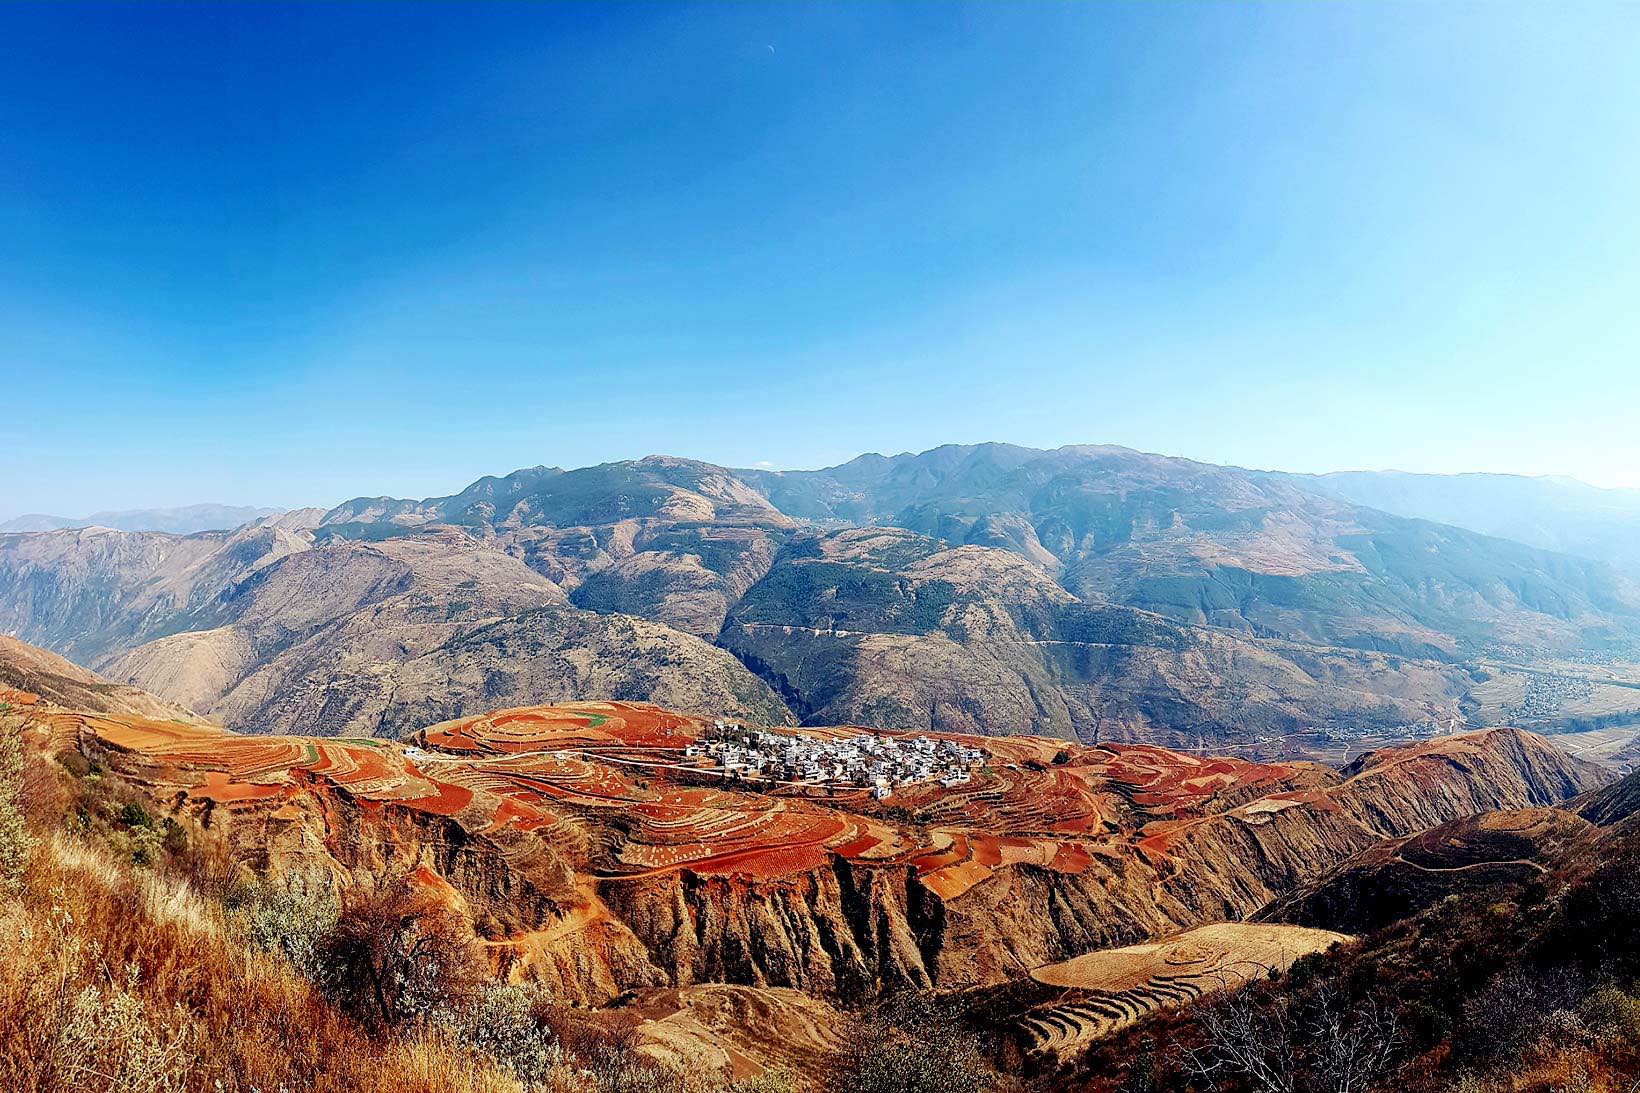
(1086, 592)
(178, 521)
(1554, 513)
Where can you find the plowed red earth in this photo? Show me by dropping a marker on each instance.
(1034, 801)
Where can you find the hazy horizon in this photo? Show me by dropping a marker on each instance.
(456, 487)
(292, 254)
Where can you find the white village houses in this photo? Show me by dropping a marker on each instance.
(867, 759)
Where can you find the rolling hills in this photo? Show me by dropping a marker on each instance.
(365, 638)
(1401, 877)
(1222, 546)
(29, 675)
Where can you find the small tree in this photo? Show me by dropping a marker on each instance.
(396, 956)
(15, 842)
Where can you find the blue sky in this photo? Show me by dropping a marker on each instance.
(291, 254)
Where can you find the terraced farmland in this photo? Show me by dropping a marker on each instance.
(1108, 990)
(1036, 802)
(590, 848)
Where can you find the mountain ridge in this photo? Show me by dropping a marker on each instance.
(1090, 591)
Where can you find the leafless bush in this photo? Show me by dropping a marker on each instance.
(1508, 1016)
(1352, 1048)
(1247, 1041)
(1320, 1044)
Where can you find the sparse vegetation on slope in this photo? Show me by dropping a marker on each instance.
(886, 627)
(1526, 984)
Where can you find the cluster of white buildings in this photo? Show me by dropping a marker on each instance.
(880, 762)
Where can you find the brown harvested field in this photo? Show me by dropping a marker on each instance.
(1617, 748)
(11, 697)
(1229, 951)
(583, 724)
(1110, 989)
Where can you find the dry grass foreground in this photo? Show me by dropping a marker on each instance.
(119, 980)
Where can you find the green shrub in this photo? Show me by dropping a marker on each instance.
(173, 836)
(1612, 1014)
(290, 918)
(132, 814)
(141, 845)
(75, 763)
(500, 1021)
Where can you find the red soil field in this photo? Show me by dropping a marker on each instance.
(1043, 802)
